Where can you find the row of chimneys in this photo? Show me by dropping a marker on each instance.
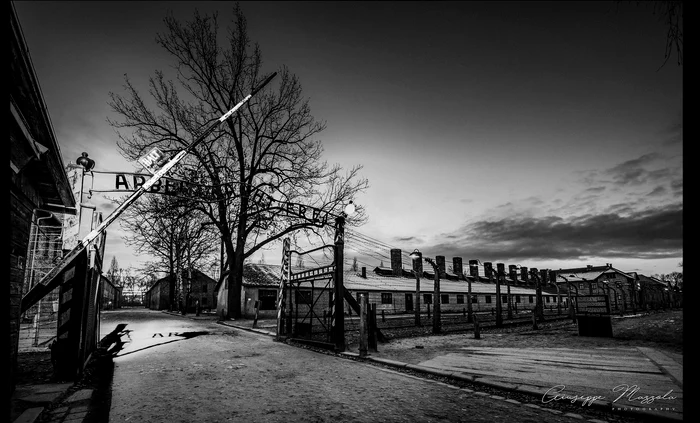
(458, 268)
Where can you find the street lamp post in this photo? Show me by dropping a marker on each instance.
(416, 256)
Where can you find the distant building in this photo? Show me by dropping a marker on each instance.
(621, 287)
(654, 294)
(392, 289)
(109, 298)
(157, 297)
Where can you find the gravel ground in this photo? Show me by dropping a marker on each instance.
(663, 331)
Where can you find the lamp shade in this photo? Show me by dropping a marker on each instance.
(85, 162)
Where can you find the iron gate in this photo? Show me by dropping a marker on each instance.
(307, 298)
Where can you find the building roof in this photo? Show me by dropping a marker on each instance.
(37, 152)
(268, 275)
(590, 273)
(197, 275)
(650, 280)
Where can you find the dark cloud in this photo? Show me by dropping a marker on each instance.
(646, 234)
(632, 172)
(408, 239)
(535, 201)
(677, 186)
(620, 208)
(105, 206)
(674, 134)
(657, 192)
(594, 189)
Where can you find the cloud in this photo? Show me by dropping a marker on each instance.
(632, 172)
(595, 189)
(535, 201)
(658, 191)
(414, 239)
(673, 134)
(677, 186)
(642, 234)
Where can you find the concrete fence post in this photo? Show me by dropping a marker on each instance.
(363, 326)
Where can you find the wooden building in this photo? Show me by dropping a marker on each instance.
(621, 288)
(392, 290)
(200, 286)
(109, 294)
(654, 294)
(39, 186)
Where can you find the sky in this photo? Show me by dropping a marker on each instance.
(543, 134)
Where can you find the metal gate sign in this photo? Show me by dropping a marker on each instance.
(154, 160)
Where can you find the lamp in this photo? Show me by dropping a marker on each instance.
(85, 162)
(416, 255)
(349, 209)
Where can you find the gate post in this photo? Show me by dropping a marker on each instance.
(339, 317)
(281, 294)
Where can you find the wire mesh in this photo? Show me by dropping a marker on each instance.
(38, 323)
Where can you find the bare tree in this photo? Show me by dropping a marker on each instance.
(113, 272)
(174, 233)
(670, 14)
(268, 147)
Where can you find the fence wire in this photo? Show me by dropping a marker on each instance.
(38, 323)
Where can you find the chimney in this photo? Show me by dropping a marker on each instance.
(535, 274)
(418, 263)
(513, 272)
(488, 269)
(440, 261)
(552, 277)
(543, 276)
(396, 262)
(501, 269)
(457, 267)
(523, 273)
(474, 268)
(364, 272)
